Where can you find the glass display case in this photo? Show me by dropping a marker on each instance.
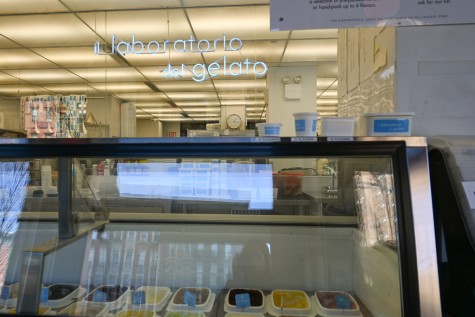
(214, 227)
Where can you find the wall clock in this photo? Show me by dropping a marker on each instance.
(233, 121)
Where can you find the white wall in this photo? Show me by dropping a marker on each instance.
(106, 111)
(98, 108)
(148, 129)
(10, 108)
(168, 127)
(435, 78)
(280, 110)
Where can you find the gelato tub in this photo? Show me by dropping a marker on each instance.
(85, 309)
(336, 304)
(178, 313)
(113, 296)
(9, 295)
(245, 300)
(289, 302)
(135, 313)
(61, 295)
(151, 298)
(236, 314)
(41, 311)
(192, 299)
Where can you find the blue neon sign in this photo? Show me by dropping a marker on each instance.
(198, 71)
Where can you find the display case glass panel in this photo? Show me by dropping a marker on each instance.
(293, 230)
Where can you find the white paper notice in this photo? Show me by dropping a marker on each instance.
(469, 188)
(321, 14)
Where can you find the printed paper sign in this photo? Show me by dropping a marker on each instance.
(321, 14)
(138, 298)
(243, 300)
(342, 302)
(5, 293)
(189, 299)
(44, 294)
(99, 296)
(304, 139)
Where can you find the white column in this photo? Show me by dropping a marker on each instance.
(282, 105)
(128, 121)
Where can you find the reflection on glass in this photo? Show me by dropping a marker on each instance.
(14, 178)
(376, 209)
(231, 182)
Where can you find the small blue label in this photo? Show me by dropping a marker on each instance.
(266, 139)
(271, 130)
(243, 300)
(99, 296)
(342, 302)
(391, 125)
(138, 298)
(314, 125)
(44, 294)
(300, 125)
(304, 139)
(5, 293)
(190, 299)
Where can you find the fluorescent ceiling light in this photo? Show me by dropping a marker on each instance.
(241, 95)
(113, 74)
(327, 93)
(243, 102)
(203, 115)
(152, 104)
(22, 59)
(256, 84)
(71, 88)
(178, 110)
(311, 50)
(255, 115)
(173, 119)
(184, 85)
(122, 87)
(76, 57)
(329, 101)
(46, 30)
(168, 115)
(208, 110)
(324, 83)
(147, 25)
(46, 75)
(257, 119)
(198, 103)
(246, 22)
(176, 96)
(19, 90)
(254, 108)
(142, 96)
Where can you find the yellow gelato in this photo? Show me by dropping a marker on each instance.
(290, 299)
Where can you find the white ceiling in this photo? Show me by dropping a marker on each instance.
(46, 47)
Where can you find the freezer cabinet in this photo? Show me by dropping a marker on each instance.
(217, 226)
